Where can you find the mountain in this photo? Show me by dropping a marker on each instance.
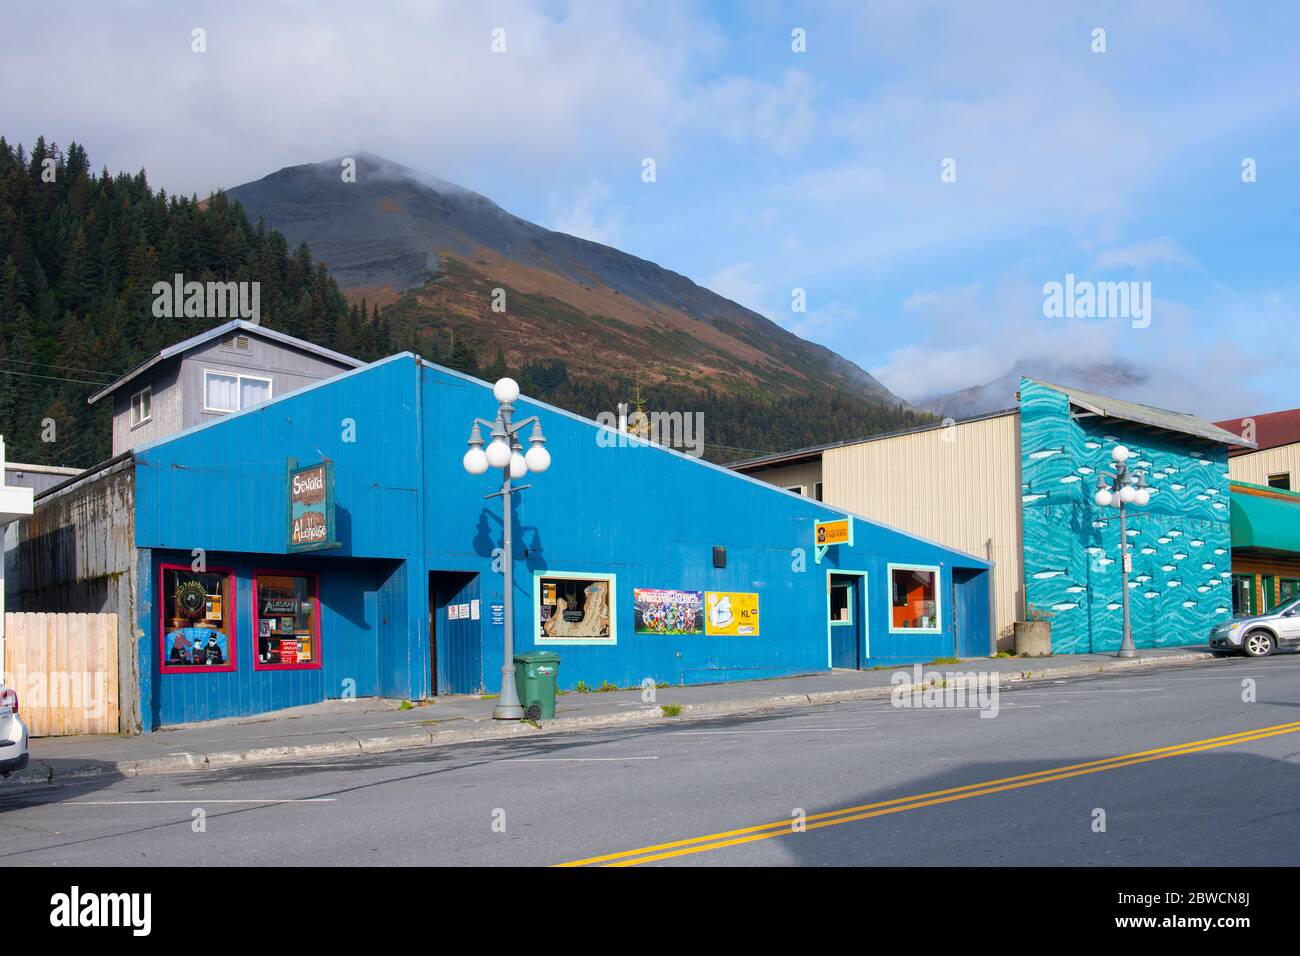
(1117, 378)
(433, 253)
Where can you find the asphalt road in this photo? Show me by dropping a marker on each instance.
(878, 785)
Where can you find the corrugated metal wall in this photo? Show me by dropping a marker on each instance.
(396, 432)
(76, 553)
(1258, 465)
(957, 485)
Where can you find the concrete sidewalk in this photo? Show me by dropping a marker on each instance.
(373, 725)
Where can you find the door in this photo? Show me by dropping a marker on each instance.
(455, 633)
(1268, 593)
(970, 612)
(846, 619)
(1243, 594)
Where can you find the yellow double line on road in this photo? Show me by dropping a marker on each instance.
(766, 831)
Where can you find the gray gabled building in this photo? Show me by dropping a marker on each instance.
(218, 372)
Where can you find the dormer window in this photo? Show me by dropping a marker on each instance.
(141, 407)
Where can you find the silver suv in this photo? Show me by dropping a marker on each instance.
(1260, 634)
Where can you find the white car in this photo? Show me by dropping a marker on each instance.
(13, 734)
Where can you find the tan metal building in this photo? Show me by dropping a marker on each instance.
(957, 482)
(1275, 462)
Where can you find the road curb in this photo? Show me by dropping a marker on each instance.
(44, 773)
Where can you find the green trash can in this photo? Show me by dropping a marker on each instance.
(535, 675)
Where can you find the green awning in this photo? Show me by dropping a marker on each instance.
(1259, 522)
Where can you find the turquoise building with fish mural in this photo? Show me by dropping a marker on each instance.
(1180, 584)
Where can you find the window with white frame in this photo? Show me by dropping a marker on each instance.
(229, 392)
(914, 598)
(141, 406)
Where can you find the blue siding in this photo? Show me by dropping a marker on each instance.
(971, 592)
(407, 508)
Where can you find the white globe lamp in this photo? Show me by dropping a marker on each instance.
(1119, 454)
(1128, 494)
(506, 390)
(498, 454)
(475, 461)
(538, 459)
(518, 467)
(1103, 498)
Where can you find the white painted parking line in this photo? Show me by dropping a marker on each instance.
(192, 802)
(569, 759)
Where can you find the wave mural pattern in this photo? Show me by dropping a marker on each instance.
(1181, 584)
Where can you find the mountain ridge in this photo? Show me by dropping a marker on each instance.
(435, 252)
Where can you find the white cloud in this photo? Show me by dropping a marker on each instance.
(1142, 255)
(738, 283)
(285, 83)
(583, 218)
(972, 335)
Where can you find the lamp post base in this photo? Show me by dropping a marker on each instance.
(508, 706)
(1127, 652)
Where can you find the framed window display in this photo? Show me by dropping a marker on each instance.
(574, 608)
(914, 599)
(286, 621)
(196, 624)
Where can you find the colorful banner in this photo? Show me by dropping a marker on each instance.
(665, 611)
(731, 613)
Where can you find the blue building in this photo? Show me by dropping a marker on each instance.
(633, 561)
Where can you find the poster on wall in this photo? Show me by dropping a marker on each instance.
(731, 614)
(666, 611)
(574, 608)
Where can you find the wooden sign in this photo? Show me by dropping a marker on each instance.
(311, 507)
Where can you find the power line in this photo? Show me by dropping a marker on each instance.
(66, 368)
(52, 378)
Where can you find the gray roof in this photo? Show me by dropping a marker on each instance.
(235, 325)
(1147, 415)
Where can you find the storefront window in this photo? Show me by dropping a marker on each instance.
(197, 620)
(914, 599)
(574, 609)
(287, 619)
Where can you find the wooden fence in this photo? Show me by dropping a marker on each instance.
(64, 668)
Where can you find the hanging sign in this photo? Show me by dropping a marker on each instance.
(311, 507)
(827, 533)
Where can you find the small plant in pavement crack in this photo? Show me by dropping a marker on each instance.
(671, 710)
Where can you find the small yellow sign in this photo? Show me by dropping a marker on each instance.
(731, 613)
(834, 532)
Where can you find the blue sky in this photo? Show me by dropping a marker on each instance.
(775, 169)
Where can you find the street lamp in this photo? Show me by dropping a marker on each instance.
(1119, 489)
(504, 451)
